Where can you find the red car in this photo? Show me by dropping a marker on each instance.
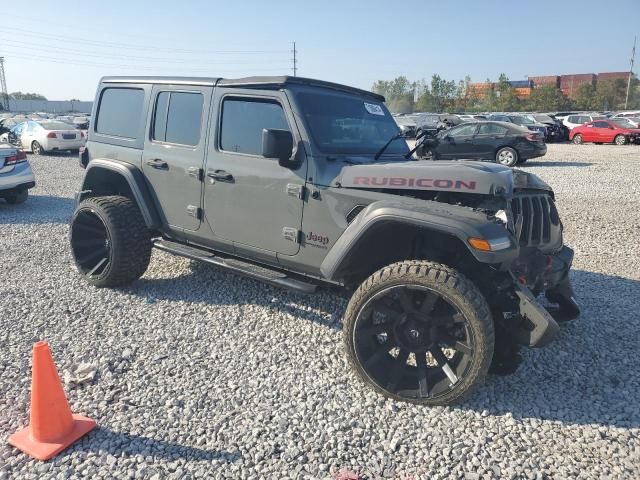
(618, 131)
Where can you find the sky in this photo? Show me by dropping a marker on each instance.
(62, 49)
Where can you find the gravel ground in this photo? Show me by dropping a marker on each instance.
(197, 373)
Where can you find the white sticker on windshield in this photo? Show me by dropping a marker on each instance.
(374, 109)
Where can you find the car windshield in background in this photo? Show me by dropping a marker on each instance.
(56, 126)
(349, 125)
(543, 118)
(522, 121)
(622, 122)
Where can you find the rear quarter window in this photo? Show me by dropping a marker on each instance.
(120, 112)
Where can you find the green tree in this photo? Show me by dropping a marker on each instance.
(26, 96)
(547, 98)
(506, 98)
(585, 97)
(610, 94)
(443, 93)
(399, 93)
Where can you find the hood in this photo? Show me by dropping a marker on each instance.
(525, 180)
(451, 176)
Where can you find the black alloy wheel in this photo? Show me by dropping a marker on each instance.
(91, 243)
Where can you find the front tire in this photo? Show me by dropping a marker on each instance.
(620, 140)
(507, 156)
(577, 139)
(110, 242)
(420, 332)
(36, 148)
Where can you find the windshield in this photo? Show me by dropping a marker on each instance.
(344, 124)
(522, 121)
(622, 122)
(543, 118)
(56, 126)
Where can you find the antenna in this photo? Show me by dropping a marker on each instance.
(4, 95)
(633, 58)
(295, 60)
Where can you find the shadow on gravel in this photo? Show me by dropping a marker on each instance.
(116, 443)
(542, 163)
(38, 209)
(590, 375)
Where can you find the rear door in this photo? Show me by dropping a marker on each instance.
(487, 139)
(174, 149)
(251, 200)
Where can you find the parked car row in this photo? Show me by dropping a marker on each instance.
(10, 120)
(44, 136)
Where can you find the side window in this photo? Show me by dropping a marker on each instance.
(178, 118)
(572, 119)
(243, 121)
(601, 124)
(491, 129)
(120, 112)
(463, 131)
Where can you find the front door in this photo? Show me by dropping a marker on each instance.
(487, 139)
(174, 149)
(458, 142)
(250, 200)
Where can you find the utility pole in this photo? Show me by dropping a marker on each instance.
(633, 58)
(295, 60)
(4, 94)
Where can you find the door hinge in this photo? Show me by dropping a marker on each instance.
(291, 234)
(194, 211)
(195, 172)
(296, 190)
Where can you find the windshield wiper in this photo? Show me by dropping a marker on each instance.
(384, 147)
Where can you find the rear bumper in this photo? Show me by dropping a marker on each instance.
(20, 177)
(53, 144)
(533, 151)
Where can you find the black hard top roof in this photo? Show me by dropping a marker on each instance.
(248, 82)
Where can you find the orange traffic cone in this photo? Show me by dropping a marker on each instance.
(52, 427)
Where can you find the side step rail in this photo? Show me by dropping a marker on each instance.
(267, 275)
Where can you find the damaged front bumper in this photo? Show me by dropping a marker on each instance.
(548, 274)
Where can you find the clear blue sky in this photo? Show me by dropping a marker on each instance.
(62, 49)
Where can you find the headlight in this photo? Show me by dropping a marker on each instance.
(502, 216)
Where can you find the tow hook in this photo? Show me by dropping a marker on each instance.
(545, 328)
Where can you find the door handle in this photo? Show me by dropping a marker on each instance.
(219, 175)
(158, 163)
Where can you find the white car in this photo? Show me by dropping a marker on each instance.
(632, 113)
(16, 177)
(44, 136)
(580, 119)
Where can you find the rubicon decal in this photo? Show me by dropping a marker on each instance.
(404, 182)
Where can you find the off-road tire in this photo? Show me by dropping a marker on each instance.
(577, 139)
(19, 197)
(507, 156)
(620, 140)
(456, 289)
(128, 240)
(37, 149)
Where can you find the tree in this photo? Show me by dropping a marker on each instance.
(26, 96)
(610, 94)
(547, 98)
(585, 97)
(507, 100)
(398, 92)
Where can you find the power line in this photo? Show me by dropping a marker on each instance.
(105, 44)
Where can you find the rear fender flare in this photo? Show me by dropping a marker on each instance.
(134, 178)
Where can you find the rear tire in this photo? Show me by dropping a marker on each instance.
(19, 197)
(416, 309)
(577, 139)
(110, 242)
(620, 140)
(36, 148)
(507, 156)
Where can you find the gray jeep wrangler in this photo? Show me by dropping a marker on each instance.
(303, 183)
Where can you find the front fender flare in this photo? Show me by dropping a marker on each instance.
(457, 221)
(134, 178)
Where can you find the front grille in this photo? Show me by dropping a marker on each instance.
(539, 216)
(69, 136)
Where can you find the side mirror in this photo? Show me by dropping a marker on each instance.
(277, 144)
